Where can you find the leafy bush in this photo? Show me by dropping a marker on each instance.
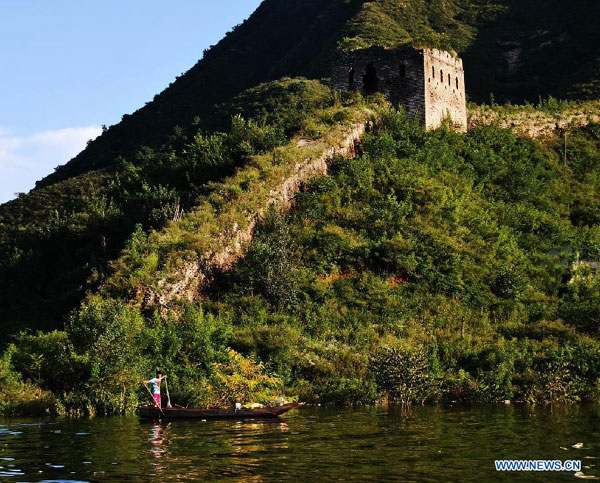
(241, 380)
(268, 268)
(18, 398)
(404, 376)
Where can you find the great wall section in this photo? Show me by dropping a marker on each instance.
(534, 123)
(191, 278)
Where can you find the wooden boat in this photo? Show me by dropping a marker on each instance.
(152, 412)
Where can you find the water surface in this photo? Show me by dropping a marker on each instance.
(420, 444)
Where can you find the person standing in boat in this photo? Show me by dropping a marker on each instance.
(155, 381)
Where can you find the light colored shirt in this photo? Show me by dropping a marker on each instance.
(155, 385)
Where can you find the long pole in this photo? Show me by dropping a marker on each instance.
(168, 397)
(152, 397)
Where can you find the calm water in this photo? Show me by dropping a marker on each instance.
(422, 444)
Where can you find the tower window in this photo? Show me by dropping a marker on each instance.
(449, 82)
(457, 82)
(433, 71)
(441, 76)
(370, 80)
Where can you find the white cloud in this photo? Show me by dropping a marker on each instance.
(26, 159)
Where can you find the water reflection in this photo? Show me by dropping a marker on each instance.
(159, 444)
(419, 444)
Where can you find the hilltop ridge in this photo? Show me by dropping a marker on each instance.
(286, 38)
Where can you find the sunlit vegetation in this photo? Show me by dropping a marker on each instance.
(433, 267)
(459, 252)
(137, 173)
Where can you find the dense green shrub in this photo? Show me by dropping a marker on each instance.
(19, 398)
(405, 376)
(267, 269)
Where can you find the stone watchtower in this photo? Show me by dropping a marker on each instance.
(429, 83)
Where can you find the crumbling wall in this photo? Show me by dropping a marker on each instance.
(399, 76)
(529, 122)
(192, 277)
(408, 77)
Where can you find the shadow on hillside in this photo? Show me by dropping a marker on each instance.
(536, 48)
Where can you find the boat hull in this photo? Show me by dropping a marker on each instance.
(152, 412)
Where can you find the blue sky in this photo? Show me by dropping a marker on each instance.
(69, 66)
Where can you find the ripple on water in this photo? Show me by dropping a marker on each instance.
(63, 481)
(11, 473)
(421, 444)
(583, 476)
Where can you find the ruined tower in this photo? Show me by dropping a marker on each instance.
(429, 83)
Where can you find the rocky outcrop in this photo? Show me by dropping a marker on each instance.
(192, 277)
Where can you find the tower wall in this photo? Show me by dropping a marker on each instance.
(399, 76)
(444, 89)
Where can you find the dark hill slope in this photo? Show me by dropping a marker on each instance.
(537, 48)
(516, 49)
(280, 38)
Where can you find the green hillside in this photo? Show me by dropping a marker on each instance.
(281, 38)
(56, 243)
(91, 204)
(433, 266)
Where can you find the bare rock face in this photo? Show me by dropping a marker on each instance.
(192, 277)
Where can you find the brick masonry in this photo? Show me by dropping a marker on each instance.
(429, 83)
